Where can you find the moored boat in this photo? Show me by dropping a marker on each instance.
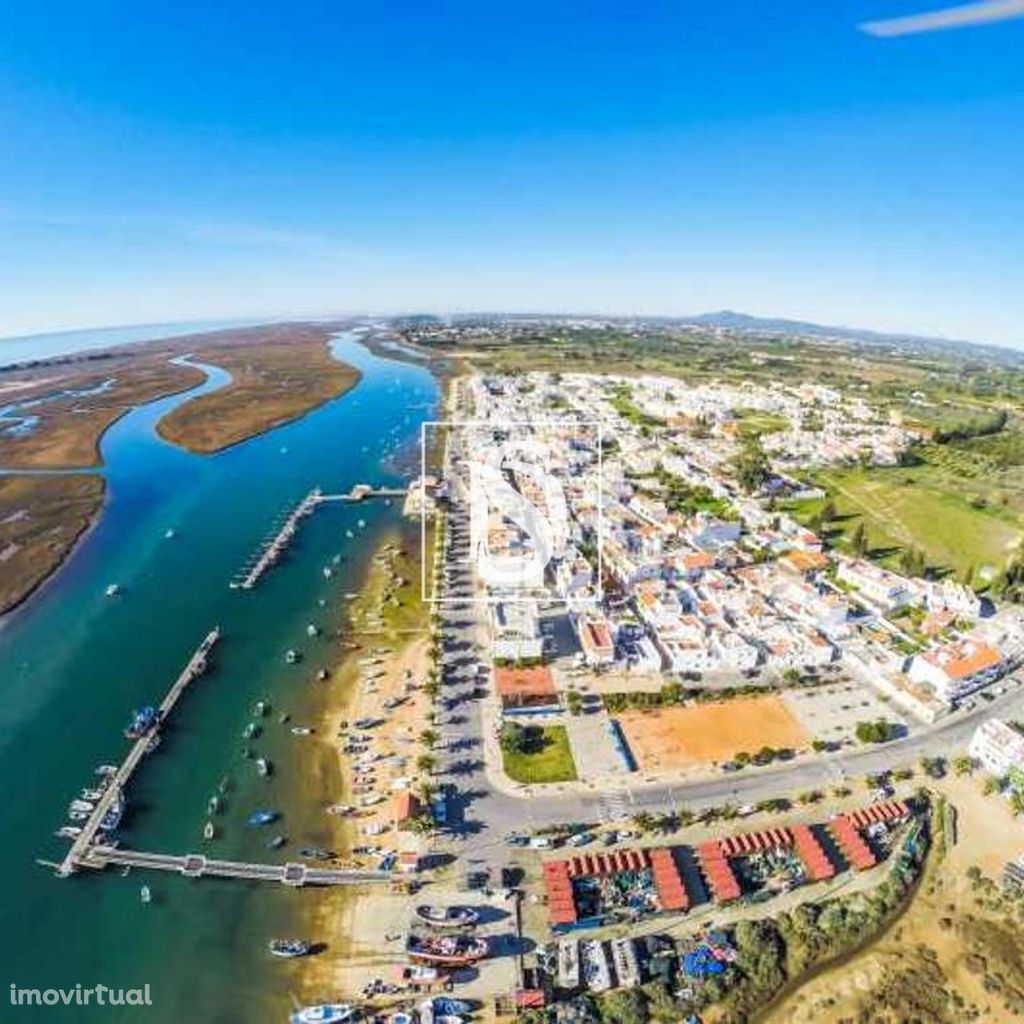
(325, 1013)
(264, 817)
(446, 950)
(289, 948)
(141, 722)
(264, 766)
(447, 917)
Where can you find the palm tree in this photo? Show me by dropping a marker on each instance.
(426, 763)
(429, 737)
(643, 821)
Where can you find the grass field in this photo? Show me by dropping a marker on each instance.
(551, 762)
(952, 517)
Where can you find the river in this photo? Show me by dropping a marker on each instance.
(74, 662)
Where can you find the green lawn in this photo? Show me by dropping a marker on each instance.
(550, 762)
(924, 507)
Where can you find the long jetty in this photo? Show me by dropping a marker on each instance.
(196, 666)
(197, 865)
(275, 546)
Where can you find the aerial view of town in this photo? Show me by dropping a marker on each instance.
(417, 608)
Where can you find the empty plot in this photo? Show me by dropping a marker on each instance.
(667, 738)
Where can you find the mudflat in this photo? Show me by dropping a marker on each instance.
(41, 517)
(74, 401)
(279, 372)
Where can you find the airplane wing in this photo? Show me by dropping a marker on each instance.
(979, 13)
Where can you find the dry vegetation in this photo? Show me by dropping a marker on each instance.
(41, 517)
(279, 373)
(71, 422)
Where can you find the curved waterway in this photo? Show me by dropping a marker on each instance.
(73, 663)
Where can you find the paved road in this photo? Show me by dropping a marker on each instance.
(484, 814)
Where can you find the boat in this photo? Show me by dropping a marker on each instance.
(301, 730)
(145, 895)
(141, 722)
(263, 817)
(322, 675)
(288, 948)
(213, 805)
(81, 805)
(291, 656)
(447, 917)
(316, 853)
(276, 842)
(209, 830)
(260, 708)
(68, 832)
(112, 818)
(170, 533)
(106, 769)
(78, 815)
(251, 731)
(113, 589)
(446, 950)
(447, 1007)
(91, 794)
(263, 766)
(311, 630)
(284, 717)
(325, 1013)
(328, 572)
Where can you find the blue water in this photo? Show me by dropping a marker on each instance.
(73, 663)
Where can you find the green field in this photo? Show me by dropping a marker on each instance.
(551, 762)
(948, 515)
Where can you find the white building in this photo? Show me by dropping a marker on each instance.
(998, 747)
(956, 669)
(515, 631)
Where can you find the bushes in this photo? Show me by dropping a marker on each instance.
(878, 731)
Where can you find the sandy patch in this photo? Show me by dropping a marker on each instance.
(667, 738)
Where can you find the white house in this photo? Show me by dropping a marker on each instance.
(515, 631)
(998, 747)
(954, 670)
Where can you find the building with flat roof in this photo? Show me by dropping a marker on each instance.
(954, 670)
(526, 690)
(999, 748)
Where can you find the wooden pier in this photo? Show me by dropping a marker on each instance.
(274, 547)
(197, 865)
(80, 848)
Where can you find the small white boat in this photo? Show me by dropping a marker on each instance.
(113, 589)
(263, 766)
(145, 895)
(312, 630)
(301, 730)
(209, 831)
(169, 533)
(325, 1013)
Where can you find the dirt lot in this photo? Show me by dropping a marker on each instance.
(668, 738)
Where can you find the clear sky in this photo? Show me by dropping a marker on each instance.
(199, 159)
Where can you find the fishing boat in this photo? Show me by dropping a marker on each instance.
(325, 1013)
(81, 805)
(264, 766)
(78, 815)
(446, 1006)
(322, 675)
(113, 589)
(312, 630)
(328, 572)
(169, 533)
(209, 830)
(145, 895)
(316, 853)
(288, 948)
(112, 818)
(276, 842)
(213, 805)
(447, 917)
(263, 817)
(91, 794)
(301, 730)
(106, 769)
(260, 708)
(446, 950)
(68, 831)
(251, 731)
(291, 656)
(141, 722)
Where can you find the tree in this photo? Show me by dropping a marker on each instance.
(426, 763)
(962, 765)
(429, 737)
(644, 821)
(751, 465)
(859, 539)
(625, 1006)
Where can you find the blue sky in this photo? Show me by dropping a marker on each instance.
(196, 160)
